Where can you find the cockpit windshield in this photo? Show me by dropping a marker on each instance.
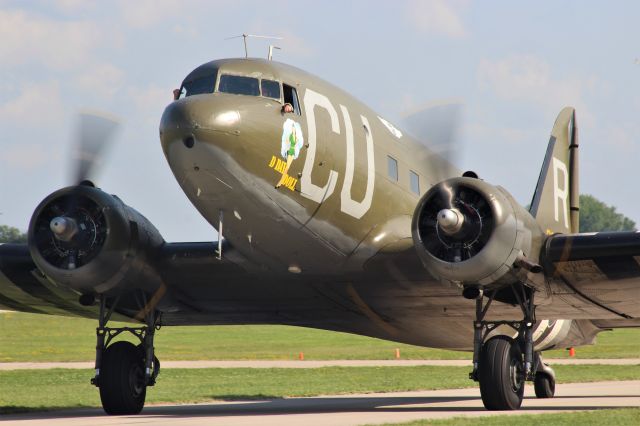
(203, 79)
(198, 86)
(270, 89)
(239, 85)
(251, 86)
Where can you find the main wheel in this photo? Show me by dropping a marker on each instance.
(501, 376)
(122, 382)
(545, 385)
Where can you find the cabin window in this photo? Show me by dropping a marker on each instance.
(199, 85)
(270, 89)
(291, 97)
(414, 182)
(392, 168)
(239, 85)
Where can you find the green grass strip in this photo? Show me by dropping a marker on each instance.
(28, 390)
(618, 417)
(31, 337)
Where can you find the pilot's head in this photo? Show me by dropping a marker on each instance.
(286, 108)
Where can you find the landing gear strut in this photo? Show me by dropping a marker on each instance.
(123, 370)
(503, 364)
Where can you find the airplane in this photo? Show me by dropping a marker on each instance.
(329, 216)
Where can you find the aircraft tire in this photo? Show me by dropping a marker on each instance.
(500, 375)
(545, 385)
(122, 383)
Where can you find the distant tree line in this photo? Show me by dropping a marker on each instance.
(9, 234)
(595, 216)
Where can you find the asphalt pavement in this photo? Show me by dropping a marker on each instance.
(347, 409)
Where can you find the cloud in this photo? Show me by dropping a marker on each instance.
(39, 103)
(185, 30)
(292, 44)
(73, 6)
(437, 17)
(621, 139)
(502, 134)
(26, 156)
(103, 80)
(149, 102)
(530, 78)
(30, 39)
(142, 14)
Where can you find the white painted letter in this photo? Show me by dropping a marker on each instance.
(560, 194)
(307, 188)
(347, 204)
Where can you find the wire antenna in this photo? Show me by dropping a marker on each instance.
(244, 39)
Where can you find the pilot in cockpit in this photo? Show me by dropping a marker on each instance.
(287, 108)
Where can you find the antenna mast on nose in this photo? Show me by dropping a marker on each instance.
(244, 39)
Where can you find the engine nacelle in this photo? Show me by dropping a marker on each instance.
(469, 232)
(88, 240)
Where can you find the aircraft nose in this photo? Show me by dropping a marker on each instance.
(191, 118)
(176, 117)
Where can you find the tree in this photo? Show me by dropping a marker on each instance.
(9, 234)
(596, 216)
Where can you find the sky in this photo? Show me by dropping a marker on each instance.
(513, 65)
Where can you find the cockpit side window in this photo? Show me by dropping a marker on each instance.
(291, 97)
(270, 89)
(239, 85)
(198, 86)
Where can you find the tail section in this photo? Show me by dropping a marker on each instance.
(555, 203)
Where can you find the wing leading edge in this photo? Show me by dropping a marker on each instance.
(24, 288)
(603, 267)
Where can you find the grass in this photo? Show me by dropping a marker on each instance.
(619, 417)
(30, 337)
(28, 390)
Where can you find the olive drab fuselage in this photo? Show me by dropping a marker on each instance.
(336, 202)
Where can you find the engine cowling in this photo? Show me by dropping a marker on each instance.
(88, 240)
(469, 232)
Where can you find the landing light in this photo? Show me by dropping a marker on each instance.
(295, 269)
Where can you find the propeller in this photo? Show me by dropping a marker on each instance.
(70, 230)
(455, 222)
(94, 139)
(437, 128)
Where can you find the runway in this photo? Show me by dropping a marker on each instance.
(349, 409)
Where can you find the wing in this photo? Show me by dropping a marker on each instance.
(602, 267)
(24, 288)
(197, 287)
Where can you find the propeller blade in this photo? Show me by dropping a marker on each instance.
(437, 127)
(94, 138)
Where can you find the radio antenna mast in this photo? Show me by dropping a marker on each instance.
(271, 47)
(244, 39)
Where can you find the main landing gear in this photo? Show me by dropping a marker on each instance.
(124, 370)
(503, 364)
